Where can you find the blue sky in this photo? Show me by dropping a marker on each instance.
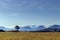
(28, 12)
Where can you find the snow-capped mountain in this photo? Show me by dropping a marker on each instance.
(55, 26)
(52, 28)
(26, 28)
(2, 28)
(32, 28)
(39, 28)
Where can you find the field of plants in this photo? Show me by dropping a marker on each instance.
(29, 36)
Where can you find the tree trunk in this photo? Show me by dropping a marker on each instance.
(17, 30)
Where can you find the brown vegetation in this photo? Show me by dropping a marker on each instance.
(29, 36)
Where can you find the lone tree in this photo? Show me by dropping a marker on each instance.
(55, 29)
(17, 28)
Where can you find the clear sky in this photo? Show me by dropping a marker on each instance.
(27, 12)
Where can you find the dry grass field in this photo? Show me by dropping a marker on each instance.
(29, 36)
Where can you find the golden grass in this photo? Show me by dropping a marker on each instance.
(29, 36)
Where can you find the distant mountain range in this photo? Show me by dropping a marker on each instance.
(39, 28)
(33, 28)
(53, 28)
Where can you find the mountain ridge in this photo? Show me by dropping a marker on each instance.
(40, 28)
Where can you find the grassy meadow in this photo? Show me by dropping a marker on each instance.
(29, 36)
